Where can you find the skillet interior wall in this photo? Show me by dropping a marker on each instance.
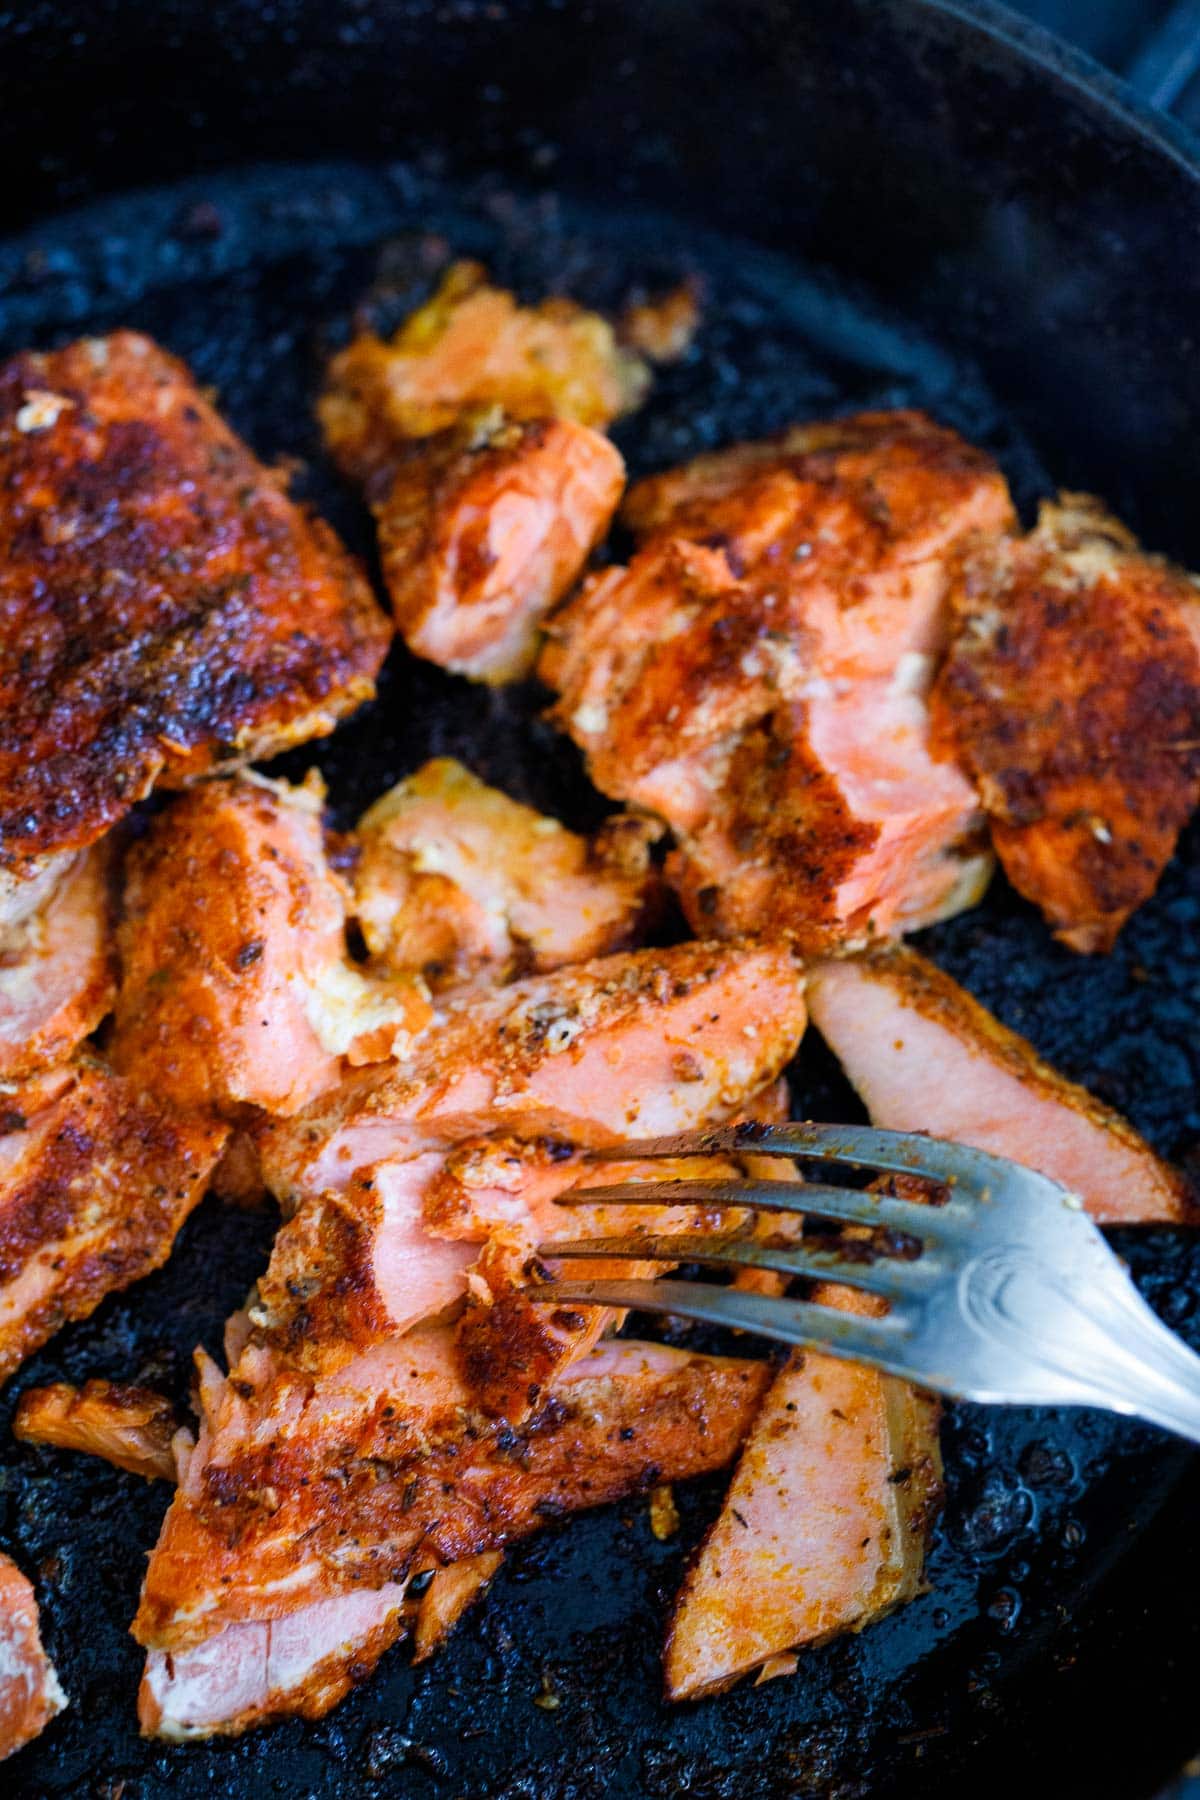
(1040, 1506)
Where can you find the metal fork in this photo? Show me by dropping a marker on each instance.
(1014, 1298)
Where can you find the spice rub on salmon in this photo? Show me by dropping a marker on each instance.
(30, 1694)
(133, 1428)
(166, 607)
(455, 879)
(57, 967)
(298, 1491)
(96, 1178)
(1072, 697)
(236, 985)
(926, 1056)
(476, 433)
(758, 676)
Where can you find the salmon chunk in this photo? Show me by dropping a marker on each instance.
(477, 436)
(56, 968)
(825, 1526)
(651, 1041)
(96, 1179)
(30, 1694)
(926, 1056)
(449, 1595)
(167, 607)
(294, 1495)
(455, 879)
(131, 1427)
(236, 987)
(759, 675)
(1072, 697)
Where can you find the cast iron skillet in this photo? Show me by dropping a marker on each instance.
(891, 201)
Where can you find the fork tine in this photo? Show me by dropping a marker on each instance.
(891, 1278)
(864, 1147)
(806, 1323)
(845, 1204)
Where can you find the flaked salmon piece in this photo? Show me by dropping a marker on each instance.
(474, 345)
(96, 1177)
(647, 1042)
(449, 1595)
(483, 528)
(30, 1695)
(824, 1528)
(663, 327)
(167, 607)
(282, 1507)
(925, 1056)
(476, 433)
(131, 1427)
(298, 1665)
(758, 676)
(56, 968)
(236, 986)
(1072, 697)
(453, 879)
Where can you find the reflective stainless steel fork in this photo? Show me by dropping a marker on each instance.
(1014, 1296)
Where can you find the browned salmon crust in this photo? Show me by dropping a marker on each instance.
(131, 1427)
(95, 1180)
(1072, 696)
(166, 606)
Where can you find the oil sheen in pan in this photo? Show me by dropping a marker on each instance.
(252, 280)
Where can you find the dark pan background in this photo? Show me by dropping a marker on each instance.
(1063, 1577)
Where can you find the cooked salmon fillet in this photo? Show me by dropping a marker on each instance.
(1072, 696)
(96, 1178)
(56, 968)
(30, 1694)
(167, 608)
(925, 1056)
(476, 433)
(824, 1529)
(236, 987)
(758, 677)
(451, 1592)
(299, 1490)
(454, 879)
(131, 1427)
(645, 1042)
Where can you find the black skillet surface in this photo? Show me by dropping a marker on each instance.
(1053, 1646)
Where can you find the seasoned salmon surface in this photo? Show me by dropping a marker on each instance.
(132, 1427)
(926, 1056)
(166, 607)
(57, 968)
(758, 676)
(1072, 696)
(454, 879)
(96, 1178)
(30, 1694)
(387, 1459)
(236, 986)
(476, 433)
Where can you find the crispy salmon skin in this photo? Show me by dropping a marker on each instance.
(1072, 696)
(166, 606)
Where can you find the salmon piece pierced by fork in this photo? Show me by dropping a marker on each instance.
(476, 433)
(30, 1695)
(56, 968)
(133, 1428)
(758, 676)
(1072, 696)
(236, 987)
(167, 607)
(300, 1490)
(455, 879)
(96, 1179)
(926, 1056)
